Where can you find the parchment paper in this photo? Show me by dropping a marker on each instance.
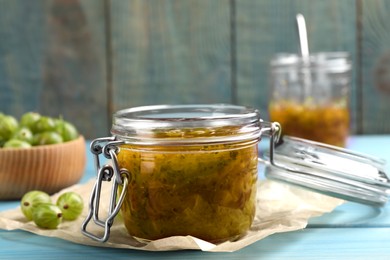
(280, 208)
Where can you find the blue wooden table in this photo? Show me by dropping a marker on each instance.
(351, 231)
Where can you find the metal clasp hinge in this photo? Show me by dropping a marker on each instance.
(274, 131)
(106, 173)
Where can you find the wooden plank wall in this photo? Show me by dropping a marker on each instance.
(85, 59)
(52, 60)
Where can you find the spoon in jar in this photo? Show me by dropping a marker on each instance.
(302, 33)
(304, 45)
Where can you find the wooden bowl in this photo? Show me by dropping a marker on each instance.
(48, 168)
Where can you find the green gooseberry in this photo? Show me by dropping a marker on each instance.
(71, 205)
(43, 124)
(47, 138)
(29, 119)
(31, 200)
(23, 134)
(8, 125)
(47, 215)
(67, 130)
(15, 143)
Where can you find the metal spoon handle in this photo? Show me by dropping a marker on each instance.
(302, 32)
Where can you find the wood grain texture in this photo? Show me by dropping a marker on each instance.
(170, 52)
(52, 61)
(48, 168)
(265, 28)
(375, 70)
(53, 54)
(74, 69)
(23, 37)
(317, 243)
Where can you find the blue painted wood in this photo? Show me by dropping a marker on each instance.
(375, 69)
(315, 243)
(168, 52)
(23, 37)
(52, 60)
(354, 215)
(74, 79)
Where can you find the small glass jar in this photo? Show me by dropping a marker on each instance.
(194, 176)
(309, 97)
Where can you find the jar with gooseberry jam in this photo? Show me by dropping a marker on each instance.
(182, 170)
(310, 96)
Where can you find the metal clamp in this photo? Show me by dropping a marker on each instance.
(106, 173)
(274, 131)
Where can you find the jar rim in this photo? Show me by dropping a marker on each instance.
(336, 62)
(141, 123)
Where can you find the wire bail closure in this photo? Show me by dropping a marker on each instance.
(274, 131)
(106, 173)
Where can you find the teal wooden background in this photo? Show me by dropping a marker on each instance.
(85, 59)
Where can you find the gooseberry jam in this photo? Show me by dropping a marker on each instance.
(327, 123)
(310, 96)
(193, 170)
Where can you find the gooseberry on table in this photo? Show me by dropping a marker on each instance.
(37, 206)
(71, 205)
(31, 200)
(47, 215)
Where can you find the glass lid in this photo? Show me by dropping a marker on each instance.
(330, 170)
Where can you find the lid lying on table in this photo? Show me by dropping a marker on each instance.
(330, 170)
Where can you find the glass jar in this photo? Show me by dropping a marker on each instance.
(309, 97)
(192, 169)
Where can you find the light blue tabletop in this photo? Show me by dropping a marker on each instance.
(351, 231)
